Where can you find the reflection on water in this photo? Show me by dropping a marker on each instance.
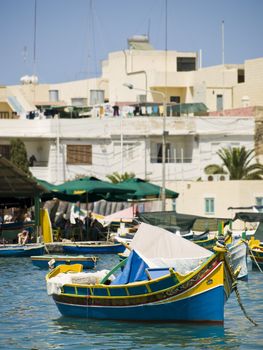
(29, 319)
(142, 335)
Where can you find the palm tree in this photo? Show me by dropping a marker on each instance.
(116, 177)
(239, 164)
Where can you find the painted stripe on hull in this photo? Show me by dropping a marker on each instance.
(110, 249)
(43, 264)
(21, 252)
(204, 307)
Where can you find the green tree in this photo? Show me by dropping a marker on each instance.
(18, 155)
(239, 163)
(117, 177)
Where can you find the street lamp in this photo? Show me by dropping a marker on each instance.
(131, 87)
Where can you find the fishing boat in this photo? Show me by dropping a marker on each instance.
(256, 252)
(10, 230)
(165, 278)
(17, 250)
(48, 261)
(93, 247)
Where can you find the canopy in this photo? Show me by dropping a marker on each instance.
(173, 221)
(157, 244)
(249, 217)
(154, 247)
(17, 189)
(85, 189)
(188, 108)
(125, 214)
(143, 190)
(52, 192)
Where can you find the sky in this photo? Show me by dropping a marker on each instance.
(68, 39)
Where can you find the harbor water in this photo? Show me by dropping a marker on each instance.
(29, 319)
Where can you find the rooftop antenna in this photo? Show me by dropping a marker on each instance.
(35, 38)
(223, 61)
(149, 28)
(164, 117)
(24, 53)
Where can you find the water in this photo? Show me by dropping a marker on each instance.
(29, 319)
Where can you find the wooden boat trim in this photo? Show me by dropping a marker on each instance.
(86, 294)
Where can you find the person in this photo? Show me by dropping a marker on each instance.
(23, 237)
(32, 160)
(88, 225)
(27, 217)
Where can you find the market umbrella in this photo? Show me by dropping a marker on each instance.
(143, 190)
(93, 189)
(53, 192)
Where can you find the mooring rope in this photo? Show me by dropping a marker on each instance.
(234, 286)
(255, 261)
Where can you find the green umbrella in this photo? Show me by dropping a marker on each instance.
(47, 185)
(53, 192)
(143, 190)
(92, 189)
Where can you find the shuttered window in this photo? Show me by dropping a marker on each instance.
(79, 154)
(5, 151)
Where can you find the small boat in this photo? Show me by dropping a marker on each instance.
(9, 231)
(17, 250)
(165, 278)
(46, 261)
(255, 248)
(96, 247)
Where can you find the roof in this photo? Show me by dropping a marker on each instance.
(15, 184)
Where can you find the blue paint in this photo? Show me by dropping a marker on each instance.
(29, 319)
(94, 249)
(204, 307)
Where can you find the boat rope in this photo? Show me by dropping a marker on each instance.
(254, 259)
(46, 249)
(234, 287)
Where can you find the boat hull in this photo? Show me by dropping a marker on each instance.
(42, 261)
(21, 251)
(256, 257)
(200, 298)
(206, 307)
(94, 249)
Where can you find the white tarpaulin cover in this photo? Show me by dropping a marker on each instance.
(161, 248)
(54, 284)
(125, 214)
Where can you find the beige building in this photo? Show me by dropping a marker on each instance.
(178, 75)
(65, 148)
(213, 198)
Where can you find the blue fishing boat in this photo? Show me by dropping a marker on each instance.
(46, 261)
(17, 250)
(165, 278)
(9, 231)
(93, 248)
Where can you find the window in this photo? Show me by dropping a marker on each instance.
(176, 152)
(5, 151)
(79, 154)
(175, 99)
(157, 157)
(128, 150)
(209, 205)
(259, 202)
(79, 101)
(240, 76)
(219, 102)
(186, 64)
(53, 95)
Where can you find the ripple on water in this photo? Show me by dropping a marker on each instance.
(29, 319)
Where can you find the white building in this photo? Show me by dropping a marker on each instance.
(64, 148)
